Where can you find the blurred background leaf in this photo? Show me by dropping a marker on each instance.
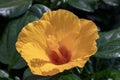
(66, 75)
(27, 73)
(29, 76)
(14, 8)
(105, 65)
(112, 2)
(109, 44)
(8, 53)
(69, 77)
(39, 9)
(4, 74)
(52, 4)
(86, 5)
(107, 74)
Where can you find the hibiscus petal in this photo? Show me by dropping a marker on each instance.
(65, 35)
(85, 45)
(64, 22)
(33, 32)
(35, 56)
(39, 62)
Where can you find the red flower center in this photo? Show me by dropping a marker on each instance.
(61, 56)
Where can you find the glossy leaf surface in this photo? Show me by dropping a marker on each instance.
(109, 44)
(86, 5)
(112, 2)
(8, 53)
(14, 8)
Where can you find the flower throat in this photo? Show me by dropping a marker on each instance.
(58, 54)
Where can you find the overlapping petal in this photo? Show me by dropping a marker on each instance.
(59, 33)
(64, 23)
(83, 44)
(33, 32)
(39, 62)
(87, 39)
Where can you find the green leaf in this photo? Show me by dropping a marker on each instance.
(14, 8)
(4, 74)
(39, 9)
(5, 79)
(85, 5)
(35, 77)
(17, 78)
(69, 77)
(109, 44)
(29, 76)
(55, 77)
(66, 75)
(8, 53)
(112, 2)
(89, 67)
(111, 74)
(27, 73)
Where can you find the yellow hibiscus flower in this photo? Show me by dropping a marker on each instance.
(58, 41)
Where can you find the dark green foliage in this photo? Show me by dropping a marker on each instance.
(86, 5)
(109, 44)
(104, 65)
(8, 52)
(14, 8)
(91, 5)
(69, 77)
